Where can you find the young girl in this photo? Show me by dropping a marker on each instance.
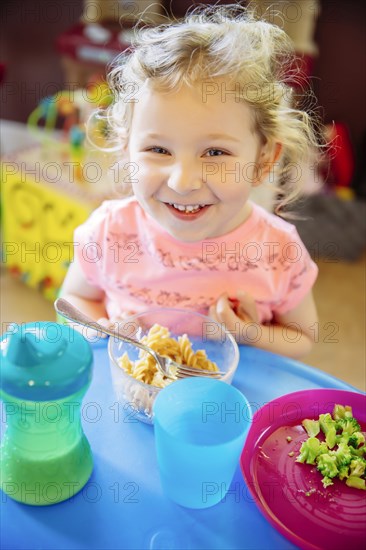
(202, 116)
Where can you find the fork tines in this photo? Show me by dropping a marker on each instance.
(183, 370)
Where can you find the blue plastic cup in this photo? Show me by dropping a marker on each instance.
(200, 427)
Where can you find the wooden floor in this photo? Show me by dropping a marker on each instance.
(340, 296)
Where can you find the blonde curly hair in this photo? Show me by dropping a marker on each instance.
(220, 42)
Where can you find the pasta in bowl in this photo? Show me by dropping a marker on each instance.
(187, 337)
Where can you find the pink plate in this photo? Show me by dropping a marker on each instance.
(291, 495)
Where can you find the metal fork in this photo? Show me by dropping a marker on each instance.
(167, 367)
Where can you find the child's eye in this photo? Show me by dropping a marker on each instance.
(215, 152)
(158, 150)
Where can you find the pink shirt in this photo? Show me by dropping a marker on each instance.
(126, 253)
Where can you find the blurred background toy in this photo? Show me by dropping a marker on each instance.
(340, 166)
(68, 111)
(103, 31)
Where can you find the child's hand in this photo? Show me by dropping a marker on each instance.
(244, 307)
(240, 316)
(289, 335)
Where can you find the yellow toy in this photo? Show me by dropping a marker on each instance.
(41, 205)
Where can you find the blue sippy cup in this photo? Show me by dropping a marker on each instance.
(46, 369)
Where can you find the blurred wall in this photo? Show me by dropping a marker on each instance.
(340, 69)
(27, 47)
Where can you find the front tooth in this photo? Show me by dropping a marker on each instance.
(188, 208)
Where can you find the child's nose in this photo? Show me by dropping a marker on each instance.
(184, 178)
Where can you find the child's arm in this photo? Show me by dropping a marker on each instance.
(89, 299)
(77, 290)
(291, 334)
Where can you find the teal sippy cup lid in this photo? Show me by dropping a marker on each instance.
(44, 361)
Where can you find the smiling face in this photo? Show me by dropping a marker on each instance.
(196, 161)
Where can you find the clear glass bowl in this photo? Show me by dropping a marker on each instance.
(204, 334)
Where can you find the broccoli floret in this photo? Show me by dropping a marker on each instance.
(357, 467)
(326, 464)
(326, 481)
(343, 472)
(341, 412)
(342, 438)
(356, 482)
(309, 451)
(348, 426)
(343, 458)
(342, 454)
(311, 426)
(328, 427)
(356, 439)
(323, 448)
(360, 451)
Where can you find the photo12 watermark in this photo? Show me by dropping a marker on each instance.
(51, 492)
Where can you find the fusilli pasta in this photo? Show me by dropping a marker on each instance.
(159, 339)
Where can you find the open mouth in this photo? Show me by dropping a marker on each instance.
(187, 209)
